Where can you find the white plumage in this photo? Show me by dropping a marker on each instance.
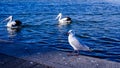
(73, 41)
(13, 24)
(63, 21)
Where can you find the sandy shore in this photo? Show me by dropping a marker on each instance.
(53, 58)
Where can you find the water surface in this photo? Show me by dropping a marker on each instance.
(96, 24)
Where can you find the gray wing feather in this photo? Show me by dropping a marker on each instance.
(77, 44)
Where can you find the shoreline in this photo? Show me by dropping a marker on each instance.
(52, 57)
(7, 61)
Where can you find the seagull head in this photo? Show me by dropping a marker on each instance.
(71, 32)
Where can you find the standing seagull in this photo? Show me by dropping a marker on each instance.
(13, 24)
(73, 41)
(63, 21)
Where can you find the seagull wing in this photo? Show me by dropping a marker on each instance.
(77, 45)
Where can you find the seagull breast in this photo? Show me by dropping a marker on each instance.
(74, 42)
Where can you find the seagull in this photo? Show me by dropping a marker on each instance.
(73, 41)
(63, 21)
(13, 24)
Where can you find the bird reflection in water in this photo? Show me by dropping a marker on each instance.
(13, 32)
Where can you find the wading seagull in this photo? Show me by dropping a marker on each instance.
(73, 41)
(63, 21)
(13, 24)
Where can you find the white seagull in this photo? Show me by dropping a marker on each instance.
(73, 41)
(13, 24)
(63, 21)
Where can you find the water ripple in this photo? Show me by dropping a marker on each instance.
(96, 25)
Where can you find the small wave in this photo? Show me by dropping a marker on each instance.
(93, 14)
(30, 25)
(43, 42)
(105, 40)
(98, 51)
(115, 14)
(109, 39)
(21, 14)
(62, 49)
(112, 53)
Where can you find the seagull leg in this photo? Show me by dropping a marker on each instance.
(72, 53)
(76, 53)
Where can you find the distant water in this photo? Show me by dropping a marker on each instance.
(96, 23)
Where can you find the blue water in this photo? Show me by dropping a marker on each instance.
(96, 23)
